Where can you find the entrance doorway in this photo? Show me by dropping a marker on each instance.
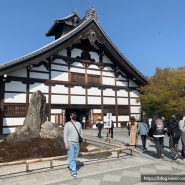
(83, 116)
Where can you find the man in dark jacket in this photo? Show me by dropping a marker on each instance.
(174, 141)
(99, 124)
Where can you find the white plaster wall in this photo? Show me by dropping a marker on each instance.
(135, 109)
(52, 118)
(122, 83)
(122, 93)
(94, 91)
(59, 99)
(60, 89)
(108, 92)
(39, 75)
(123, 118)
(15, 86)
(76, 52)
(122, 101)
(108, 81)
(107, 68)
(56, 111)
(111, 74)
(59, 67)
(77, 99)
(97, 111)
(121, 77)
(107, 100)
(38, 86)
(93, 66)
(15, 98)
(58, 61)
(19, 73)
(94, 100)
(40, 68)
(106, 60)
(77, 64)
(13, 121)
(93, 72)
(78, 90)
(94, 55)
(134, 102)
(8, 130)
(62, 76)
(77, 70)
(134, 94)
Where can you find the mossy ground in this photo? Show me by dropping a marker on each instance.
(37, 148)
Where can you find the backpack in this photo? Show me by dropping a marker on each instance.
(159, 125)
(176, 133)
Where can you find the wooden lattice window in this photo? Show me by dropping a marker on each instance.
(93, 79)
(80, 78)
(121, 109)
(76, 77)
(15, 110)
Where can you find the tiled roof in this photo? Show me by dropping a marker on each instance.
(60, 20)
(91, 17)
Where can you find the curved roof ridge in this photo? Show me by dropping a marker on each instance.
(42, 49)
(115, 47)
(68, 17)
(91, 16)
(60, 20)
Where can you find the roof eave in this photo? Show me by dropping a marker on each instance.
(59, 21)
(125, 63)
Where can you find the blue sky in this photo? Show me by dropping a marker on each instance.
(149, 33)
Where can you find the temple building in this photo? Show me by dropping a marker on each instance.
(81, 70)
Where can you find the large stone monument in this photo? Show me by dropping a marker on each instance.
(36, 115)
(36, 125)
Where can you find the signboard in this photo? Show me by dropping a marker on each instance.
(109, 119)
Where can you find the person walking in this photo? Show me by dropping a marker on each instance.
(132, 127)
(174, 136)
(158, 131)
(182, 128)
(83, 122)
(143, 132)
(99, 125)
(71, 140)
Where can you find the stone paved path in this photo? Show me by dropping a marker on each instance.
(112, 171)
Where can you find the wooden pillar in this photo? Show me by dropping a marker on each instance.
(2, 89)
(49, 91)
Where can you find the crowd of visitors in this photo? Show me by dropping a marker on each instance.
(156, 131)
(159, 127)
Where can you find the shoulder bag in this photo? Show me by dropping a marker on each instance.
(80, 139)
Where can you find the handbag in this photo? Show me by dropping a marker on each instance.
(80, 139)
